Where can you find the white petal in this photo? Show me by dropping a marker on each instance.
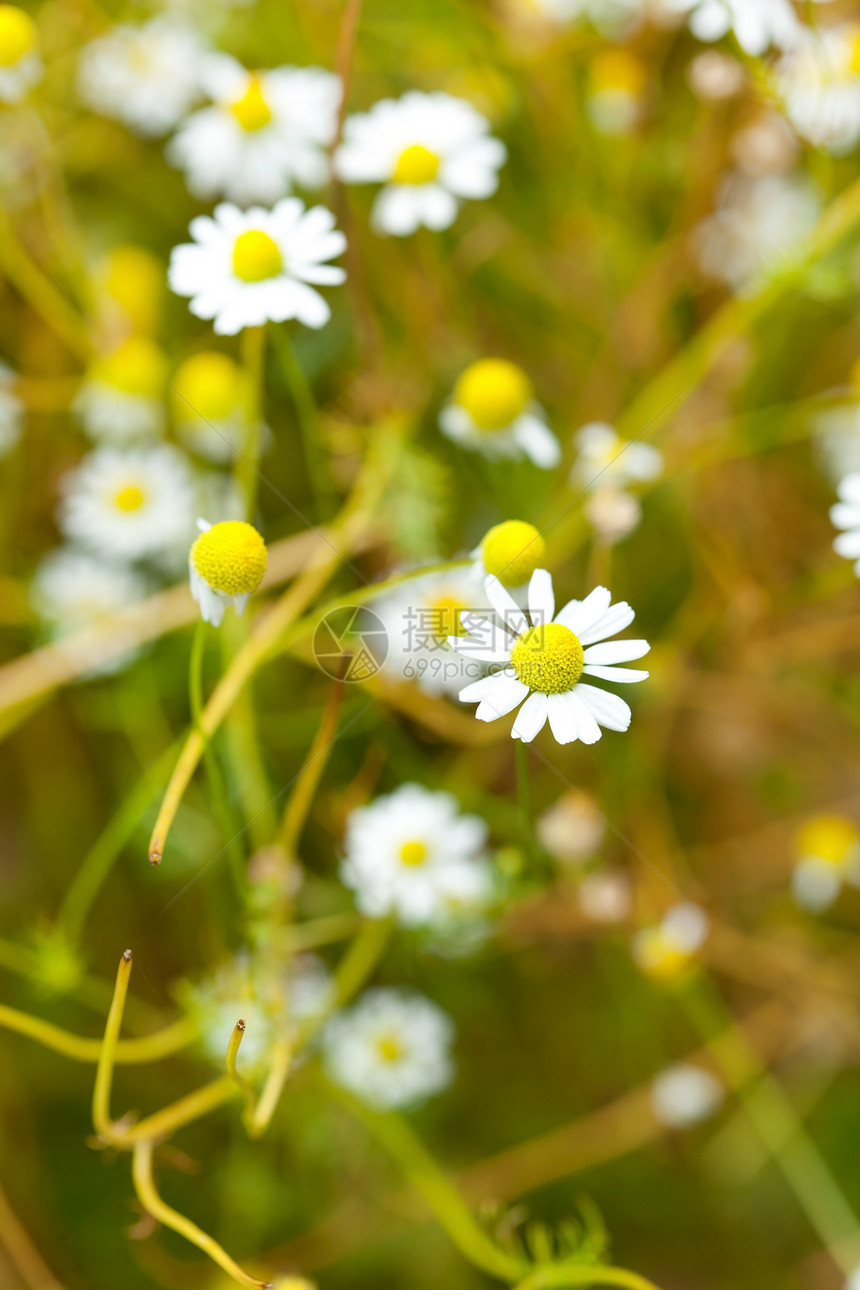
(624, 675)
(580, 615)
(848, 544)
(531, 717)
(537, 441)
(542, 596)
(562, 719)
(482, 654)
(616, 618)
(505, 605)
(849, 489)
(617, 651)
(845, 516)
(607, 709)
(504, 698)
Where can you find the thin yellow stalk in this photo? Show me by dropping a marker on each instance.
(179, 1113)
(128, 1052)
(305, 786)
(583, 1275)
(107, 1056)
(26, 1259)
(272, 1089)
(236, 1037)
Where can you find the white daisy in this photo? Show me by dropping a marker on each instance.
(20, 60)
(411, 853)
(430, 151)
(225, 566)
(758, 229)
(819, 84)
(606, 896)
(128, 503)
(572, 830)
(392, 1049)
(543, 657)
(603, 457)
(72, 590)
(756, 24)
(264, 132)
(845, 514)
(419, 616)
(493, 410)
(247, 267)
(210, 397)
(828, 856)
(11, 411)
(684, 1094)
(147, 76)
(665, 950)
(612, 513)
(605, 15)
(837, 435)
(122, 396)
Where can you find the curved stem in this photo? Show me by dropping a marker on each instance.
(236, 1038)
(107, 1056)
(583, 1275)
(128, 1052)
(272, 1090)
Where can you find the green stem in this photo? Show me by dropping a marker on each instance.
(579, 1275)
(253, 358)
(524, 796)
(307, 416)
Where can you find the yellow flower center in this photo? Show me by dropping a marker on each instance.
(494, 392)
(137, 367)
(251, 110)
(256, 256)
(17, 35)
(855, 53)
(389, 1048)
(618, 70)
(660, 957)
(446, 613)
(231, 557)
(134, 278)
(130, 498)
(209, 384)
(413, 854)
(415, 165)
(548, 658)
(512, 551)
(831, 838)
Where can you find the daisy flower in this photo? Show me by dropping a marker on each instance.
(493, 410)
(511, 552)
(128, 503)
(147, 76)
(612, 513)
(828, 856)
(129, 283)
(122, 396)
(845, 515)
(616, 88)
(263, 133)
(209, 399)
(818, 82)
(245, 268)
(72, 590)
(225, 565)
(543, 657)
(684, 1094)
(11, 411)
(667, 949)
(20, 60)
(756, 24)
(603, 457)
(606, 896)
(411, 853)
(572, 830)
(430, 151)
(419, 616)
(392, 1049)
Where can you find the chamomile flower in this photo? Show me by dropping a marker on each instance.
(818, 82)
(845, 514)
(667, 949)
(758, 229)
(209, 400)
(757, 25)
(430, 151)
(828, 856)
(493, 411)
(543, 657)
(616, 89)
(263, 133)
(603, 458)
(128, 504)
(419, 616)
(122, 396)
(411, 852)
(147, 77)
(392, 1049)
(572, 830)
(129, 283)
(11, 411)
(684, 1094)
(225, 565)
(612, 513)
(20, 60)
(510, 551)
(72, 590)
(245, 268)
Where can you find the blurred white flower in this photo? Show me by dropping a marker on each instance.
(713, 75)
(571, 829)
(20, 60)
(767, 145)
(72, 590)
(245, 268)
(225, 566)
(543, 658)
(430, 151)
(818, 82)
(148, 77)
(665, 950)
(122, 395)
(606, 896)
(828, 851)
(419, 616)
(759, 227)
(616, 87)
(493, 411)
(845, 515)
(11, 411)
(392, 1049)
(605, 15)
(684, 1094)
(837, 439)
(263, 133)
(756, 24)
(612, 513)
(412, 854)
(128, 504)
(210, 397)
(603, 457)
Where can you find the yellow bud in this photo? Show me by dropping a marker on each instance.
(137, 367)
(231, 557)
(512, 551)
(494, 392)
(828, 837)
(208, 384)
(134, 278)
(18, 35)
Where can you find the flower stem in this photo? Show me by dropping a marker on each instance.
(40, 293)
(582, 1275)
(148, 1048)
(236, 1037)
(104, 1072)
(307, 416)
(253, 344)
(524, 796)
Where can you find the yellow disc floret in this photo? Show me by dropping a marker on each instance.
(413, 854)
(832, 838)
(134, 278)
(512, 551)
(137, 367)
(389, 1048)
(616, 69)
(494, 392)
(660, 956)
(415, 165)
(129, 498)
(251, 110)
(231, 557)
(548, 658)
(446, 613)
(17, 35)
(208, 384)
(256, 256)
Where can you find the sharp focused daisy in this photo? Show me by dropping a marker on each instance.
(430, 151)
(225, 565)
(245, 268)
(210, 400)
(845, 514)
(392, 1049)
(11, 411)
(543, 657)
(263, 133)
(419, 616)
(122, 396)
(493, 410)
(412, 851)
(129, 504)
(147, 76)
(756, 24)
(72, 590)
(511, 552)
(828, 856)
(20, 60)
(684, 1094)
(667, 949)
(758, 229)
